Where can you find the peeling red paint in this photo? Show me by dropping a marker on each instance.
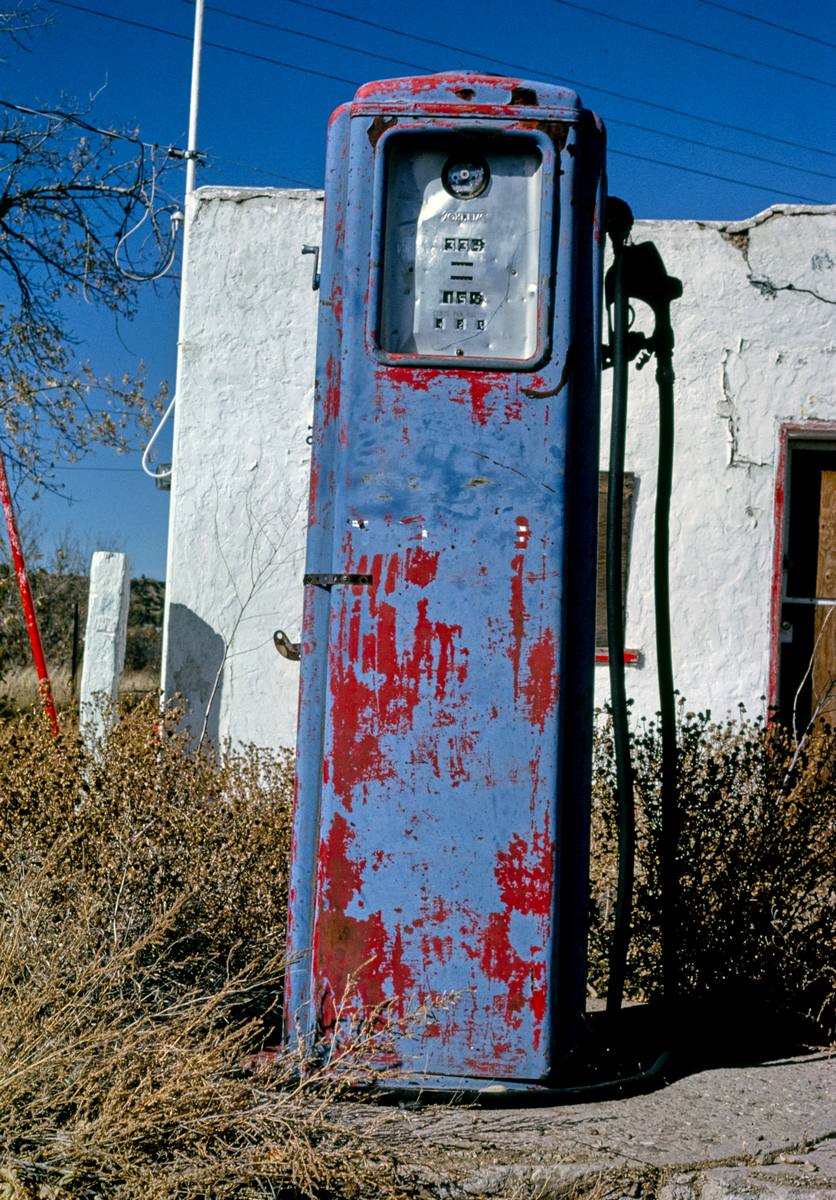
(519, 616)
(349, 950)
(340, 876)
(416, 379)
(461, 748)
(313, 515)
(421, 566)
(513, 411)
(358, 757)
(480, 389)
(525, 978)
(540, 688)
(332, 390)
(337, 305)
(364, 710)
(523, 533)
(525, 874)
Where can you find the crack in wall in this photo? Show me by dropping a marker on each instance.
(767, 288)
(739, 238)
(728, 410)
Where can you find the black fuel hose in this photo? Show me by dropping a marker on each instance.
(663, 345)
(615, 639)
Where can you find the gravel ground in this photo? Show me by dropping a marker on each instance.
(730, 1133)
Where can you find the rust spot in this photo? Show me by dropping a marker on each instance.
(558, 131)
(524, 96)
(465, 93)
(568, 364)
(477, 481)
(378, 127)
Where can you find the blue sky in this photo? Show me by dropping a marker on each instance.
(693, 133)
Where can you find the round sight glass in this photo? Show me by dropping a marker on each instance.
(465, 178)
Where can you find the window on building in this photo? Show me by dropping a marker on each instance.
(626, 526)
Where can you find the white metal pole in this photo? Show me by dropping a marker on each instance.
(191, 163)
(194, 99)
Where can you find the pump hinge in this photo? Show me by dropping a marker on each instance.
(326, 580)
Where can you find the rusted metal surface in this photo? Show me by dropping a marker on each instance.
(439, 838)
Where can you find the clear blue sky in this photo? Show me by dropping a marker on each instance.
(765, 136)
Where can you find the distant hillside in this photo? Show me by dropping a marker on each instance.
(56, 595)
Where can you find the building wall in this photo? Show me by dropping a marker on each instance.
(756, 346)
(240, 462)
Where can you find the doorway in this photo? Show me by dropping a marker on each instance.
(806, 649)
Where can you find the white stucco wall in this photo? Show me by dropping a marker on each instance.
(756, 345)
(240, 462)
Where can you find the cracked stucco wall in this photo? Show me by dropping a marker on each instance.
(756, 346)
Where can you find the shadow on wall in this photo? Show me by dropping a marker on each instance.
(195, 668)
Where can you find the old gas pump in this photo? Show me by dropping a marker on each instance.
(439, 877)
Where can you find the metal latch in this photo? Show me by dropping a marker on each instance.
(326, 580)
(314, 250)
(286, 647)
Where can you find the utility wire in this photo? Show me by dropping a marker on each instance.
(357, 83)
(758, 187)
(121, 470)
(678, 37)
(738, 12)
(74, 119)
(676, 137)
(236, 162)
(773, 162)
(311, 37)
(578, 83)
(125, 137)
(187, 37)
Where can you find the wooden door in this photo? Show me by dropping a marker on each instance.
(824, 625)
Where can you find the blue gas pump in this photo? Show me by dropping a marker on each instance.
(440, 849)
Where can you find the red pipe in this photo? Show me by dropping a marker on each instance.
(27, 601)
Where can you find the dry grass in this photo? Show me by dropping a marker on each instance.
(757, 868)
(143, 909)
(19, 688)
(142, 914)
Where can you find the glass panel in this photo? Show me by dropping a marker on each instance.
(461, 250)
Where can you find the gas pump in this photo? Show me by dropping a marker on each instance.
(439, 870)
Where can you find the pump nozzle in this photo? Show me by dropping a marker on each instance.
(618, 220)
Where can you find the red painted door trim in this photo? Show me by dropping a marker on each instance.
(788, 431)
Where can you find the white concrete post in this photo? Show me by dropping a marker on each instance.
(104, 643)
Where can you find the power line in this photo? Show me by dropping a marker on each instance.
(311, 37)
(772, 24)
(356, 83)
(74, 119)
(678, 37)
(236, 162)
(423, 67)
(758, 187)
(578, 83)
(121, 470)
(187, 37)
(676, 137)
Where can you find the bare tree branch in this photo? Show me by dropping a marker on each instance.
(83, 213)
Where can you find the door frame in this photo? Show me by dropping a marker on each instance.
(788, 432)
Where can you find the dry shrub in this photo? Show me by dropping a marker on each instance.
(143, 908)
(756, 917)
